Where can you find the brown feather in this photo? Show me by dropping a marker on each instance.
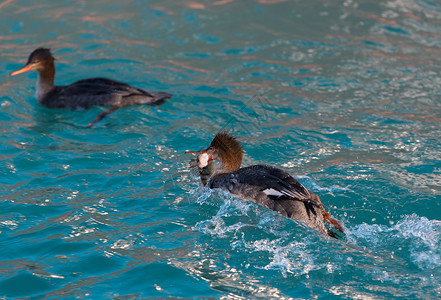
(228, 150)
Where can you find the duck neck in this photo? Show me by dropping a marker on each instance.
(45, 82)
(207, 172)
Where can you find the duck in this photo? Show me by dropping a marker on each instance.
(220, 168)
(84, 93)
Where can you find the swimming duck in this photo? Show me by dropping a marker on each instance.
(83, 93)
(265, 185)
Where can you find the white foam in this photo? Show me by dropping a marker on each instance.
(414, 237)
(216, 225)
(202, 193)
(331, 189)
(284, 254)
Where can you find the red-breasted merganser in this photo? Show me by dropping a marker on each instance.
(268, 186)
(84, 93)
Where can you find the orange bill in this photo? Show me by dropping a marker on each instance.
(200, 151)
(22, 70)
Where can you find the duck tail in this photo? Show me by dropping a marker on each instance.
(337, 225)
(159, 98)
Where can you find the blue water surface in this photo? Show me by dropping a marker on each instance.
(345, 95)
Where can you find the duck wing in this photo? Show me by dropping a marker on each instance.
(270, 181)
(277, 190)
(282, 182)
(99, 91)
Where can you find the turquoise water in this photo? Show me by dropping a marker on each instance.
(345, 95)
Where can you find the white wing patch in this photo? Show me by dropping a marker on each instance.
(272, 192)
(289, 193)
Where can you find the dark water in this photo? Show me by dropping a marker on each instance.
(343, 94)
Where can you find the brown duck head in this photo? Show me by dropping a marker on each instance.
(224, 148)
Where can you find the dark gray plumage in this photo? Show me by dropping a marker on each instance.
(268, 186)
(274, 189)
(99, 92)
(84, 93)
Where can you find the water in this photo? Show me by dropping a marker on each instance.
(343, 94)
